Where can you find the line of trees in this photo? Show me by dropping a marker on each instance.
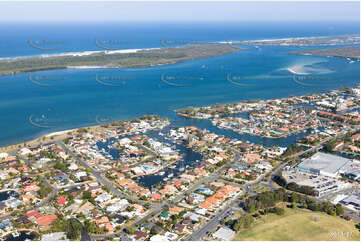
(268, 199)
(243, 222)
(292, 149)
(280, 180)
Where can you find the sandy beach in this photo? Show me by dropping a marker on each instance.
(58, 133)
(82, 53)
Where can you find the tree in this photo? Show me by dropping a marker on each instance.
(251, 209)
(91, 227)
(86, 195)
(43, 191)
(130, 229)
(339, 209)
(153, 231)
(73, 229)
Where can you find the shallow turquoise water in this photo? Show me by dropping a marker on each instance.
(42, 102)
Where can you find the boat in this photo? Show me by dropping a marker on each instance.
(170, 175)
(181, 169)
(28, 233)
(161, 173)
(161, 134)
(165, 179)
(15, 234)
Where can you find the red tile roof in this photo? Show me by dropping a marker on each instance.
(33, 213)
(61, 200)
(46, 220)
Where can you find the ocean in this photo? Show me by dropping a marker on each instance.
(33, 104)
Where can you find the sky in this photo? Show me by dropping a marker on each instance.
(179, 11)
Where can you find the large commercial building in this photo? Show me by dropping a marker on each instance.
(324, 164)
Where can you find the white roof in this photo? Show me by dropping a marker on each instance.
(73, 166)
(224, 233)
(58, 236)
(4, 155)
(124, 141)
(158, 237)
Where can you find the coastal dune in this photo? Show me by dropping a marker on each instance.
(115, 58)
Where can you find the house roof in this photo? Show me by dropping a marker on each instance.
(46, 220)
(34, 213)
(61, 200)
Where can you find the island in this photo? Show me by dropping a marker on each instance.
(306, 41)
(115, 59)
(351, 52)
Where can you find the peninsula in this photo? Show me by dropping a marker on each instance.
(306, 41)
(115, 59)
(352, 52)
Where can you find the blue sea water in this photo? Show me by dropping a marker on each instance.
(33, 104)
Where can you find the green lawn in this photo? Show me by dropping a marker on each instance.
(260, 188)
(299, 225)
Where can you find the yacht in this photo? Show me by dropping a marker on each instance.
(161, 173)
(170, 175)
(15, 234)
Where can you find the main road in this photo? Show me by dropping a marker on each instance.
(179, 197)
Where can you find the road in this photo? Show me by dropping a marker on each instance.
(179, 197)
(99, 177)
(44, 202)
(215, 221)
(84, 236)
